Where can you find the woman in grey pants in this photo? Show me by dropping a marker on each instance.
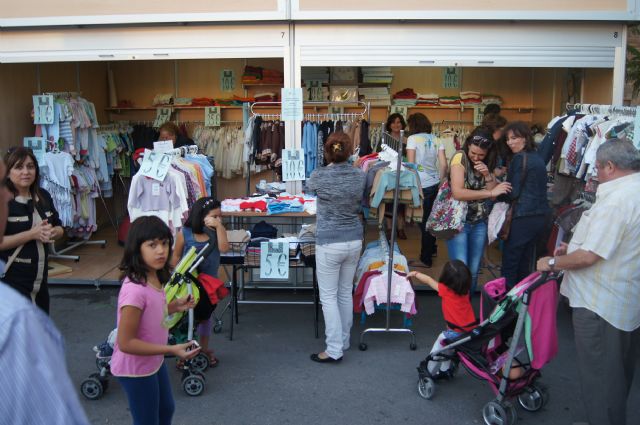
(339, 187)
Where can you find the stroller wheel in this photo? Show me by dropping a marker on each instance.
(200, 363)
(495, 413)
(413, 346)
(193, 385)
(533, 398)
(92, 388)
(363, 346)
(426, 388)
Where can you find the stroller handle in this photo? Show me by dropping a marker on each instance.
(542, 279)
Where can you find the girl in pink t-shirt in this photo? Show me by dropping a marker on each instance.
(138, 358)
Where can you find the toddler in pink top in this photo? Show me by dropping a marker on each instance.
(141, 344)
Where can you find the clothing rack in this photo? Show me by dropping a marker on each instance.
(388, 248)
(594, 109)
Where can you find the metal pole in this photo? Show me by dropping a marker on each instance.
(393, 231)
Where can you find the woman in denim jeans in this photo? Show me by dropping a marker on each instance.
(531, 207)
(339, 232)
(472, 181)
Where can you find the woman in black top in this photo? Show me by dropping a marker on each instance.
(528, 177)
(33, 222)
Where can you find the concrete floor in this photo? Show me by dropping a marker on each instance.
(265, 375)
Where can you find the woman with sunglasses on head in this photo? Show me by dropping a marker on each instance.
(472, 181)
(528, 177)
(32, 224)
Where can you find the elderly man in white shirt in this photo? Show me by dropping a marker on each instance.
(602, 283)
(36, 388)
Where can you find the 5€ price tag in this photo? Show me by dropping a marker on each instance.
(43, 109)
(212, 116)
(162, 116)
(38, 146)
(274, 260)
(399, 109)
(155, 165)
(293, 166)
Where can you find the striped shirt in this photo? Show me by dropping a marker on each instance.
(610, 229)
(36, 388)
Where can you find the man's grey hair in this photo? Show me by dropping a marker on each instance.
(621, 153)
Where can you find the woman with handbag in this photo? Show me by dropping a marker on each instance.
(473, 182)
(33, 222)
(529, 206)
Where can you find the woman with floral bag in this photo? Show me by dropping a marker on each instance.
(472, 182)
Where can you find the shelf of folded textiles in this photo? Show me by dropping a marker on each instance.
(262, 85)
(153, 108)
(469, 106)
(264, 214)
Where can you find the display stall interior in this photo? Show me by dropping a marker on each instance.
(128, 93)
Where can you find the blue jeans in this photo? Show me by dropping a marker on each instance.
(468, 247)
(150, 398)
(519, 249)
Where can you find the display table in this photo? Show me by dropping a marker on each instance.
(240, 260)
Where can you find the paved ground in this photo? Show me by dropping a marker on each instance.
(265, 375)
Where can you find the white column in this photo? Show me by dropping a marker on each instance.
(619, 65)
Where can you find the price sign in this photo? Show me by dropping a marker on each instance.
(274, 260)
(335, 110)
(293, 165)
(38, 145)
(478, 115)
(398, 109)
(162, 146)
(451, 78)
(162, 116)
(314, 88)
(155, 165)
(43, 109)
(227, 80)
(291, 104)
(212, 116)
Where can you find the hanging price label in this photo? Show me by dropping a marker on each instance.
(227, 80)
(293, 165)
(451, 78)
(314, 89)
(38, 146)
(163, 115)
(274, 260)
(398, 109)
(478, 115)
(43, 109)
(212, 116)
(155, 165)
(335, 110)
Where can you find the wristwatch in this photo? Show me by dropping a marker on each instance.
(552, 263)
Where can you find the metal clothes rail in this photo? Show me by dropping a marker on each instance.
(388, 248)
(595, 109)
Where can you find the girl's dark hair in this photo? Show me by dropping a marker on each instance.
(16, 157)
(493, 122)
(419, 123)
(199, 211)
(337, 147)
(392, 118)
(480, 138)
(456, 276)
(144, 229)
(492, 108)
(521, 129)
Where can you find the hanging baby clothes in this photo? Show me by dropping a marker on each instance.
(57, 169)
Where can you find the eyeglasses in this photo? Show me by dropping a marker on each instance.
(481, 142)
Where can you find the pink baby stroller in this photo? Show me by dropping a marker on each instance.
(528, 313)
